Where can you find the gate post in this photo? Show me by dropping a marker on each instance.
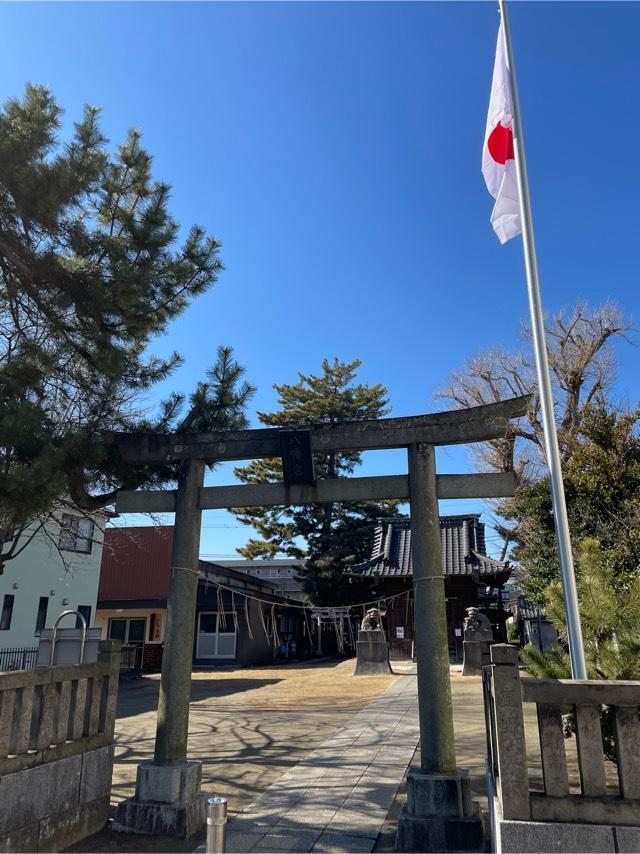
(168, 799)
(437, 750)
(440, 814)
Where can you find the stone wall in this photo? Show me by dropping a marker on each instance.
(53, 806)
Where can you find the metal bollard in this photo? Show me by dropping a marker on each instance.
(216, 825)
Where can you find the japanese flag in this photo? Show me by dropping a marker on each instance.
(498, 164)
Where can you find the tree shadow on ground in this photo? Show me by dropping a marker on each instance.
(135, 698)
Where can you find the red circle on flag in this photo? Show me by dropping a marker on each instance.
(500, 143)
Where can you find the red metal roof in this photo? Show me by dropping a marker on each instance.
(136, 563)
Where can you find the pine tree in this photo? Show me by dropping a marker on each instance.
(329, 536)
(602, 487)
(609, 616)
(92, 267)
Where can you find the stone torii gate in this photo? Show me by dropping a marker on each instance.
(439, 813)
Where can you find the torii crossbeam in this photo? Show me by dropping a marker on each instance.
(170, 772)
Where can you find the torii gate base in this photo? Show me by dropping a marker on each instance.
(440, 814)
(168, 801)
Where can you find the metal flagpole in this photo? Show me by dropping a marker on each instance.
(576, 647)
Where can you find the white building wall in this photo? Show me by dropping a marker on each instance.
(40, 571)
(280, 571)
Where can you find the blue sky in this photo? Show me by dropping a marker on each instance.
(335, 149)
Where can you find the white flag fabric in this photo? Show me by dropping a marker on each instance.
(498, 164)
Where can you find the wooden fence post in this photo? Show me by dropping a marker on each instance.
(513, 776)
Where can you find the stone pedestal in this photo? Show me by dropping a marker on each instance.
(475, 654)
(167, 802)
(372, 654)
(440, 814)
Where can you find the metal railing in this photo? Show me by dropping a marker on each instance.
(54, 634)
(18, 658)
(131, 658)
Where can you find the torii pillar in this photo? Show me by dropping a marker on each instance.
(168, 799)
(440, 814)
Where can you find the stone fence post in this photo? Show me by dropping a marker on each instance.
(513, 775)
(109, 652)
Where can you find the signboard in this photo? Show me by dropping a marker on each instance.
(458, 633)
(297, 459)
(400, 632)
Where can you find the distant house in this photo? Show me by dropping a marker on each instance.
(472, 578)
(58, 570)
(240, 619)
(282, 573)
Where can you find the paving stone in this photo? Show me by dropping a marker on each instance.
(328, 794)
(291, 840)
(338, 797)
(380, 795)
(250, 824)
(329, 843)
(240, 842)
(357, 822)
(311, 818)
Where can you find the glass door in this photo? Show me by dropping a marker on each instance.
(131, 631)
(215, 640)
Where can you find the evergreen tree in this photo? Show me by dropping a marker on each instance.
(91, 269)
(609, 615)
(329, 536)
(602, 489)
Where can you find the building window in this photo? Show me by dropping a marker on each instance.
(85, 610)
(7, 612)
(129, 631)
(41, 619)
(76, 534)
(216, 637)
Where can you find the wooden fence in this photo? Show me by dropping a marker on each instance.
(508, 762)
(58, 712)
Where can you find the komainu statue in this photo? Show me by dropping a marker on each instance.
(372, 648)
(478, 637)
(477, 626)
(371, 621)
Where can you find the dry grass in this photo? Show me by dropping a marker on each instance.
(315, 685)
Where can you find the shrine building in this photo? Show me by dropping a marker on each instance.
(472, 578)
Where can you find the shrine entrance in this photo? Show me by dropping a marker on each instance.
(168, 788)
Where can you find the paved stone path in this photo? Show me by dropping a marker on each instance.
(338, 797)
